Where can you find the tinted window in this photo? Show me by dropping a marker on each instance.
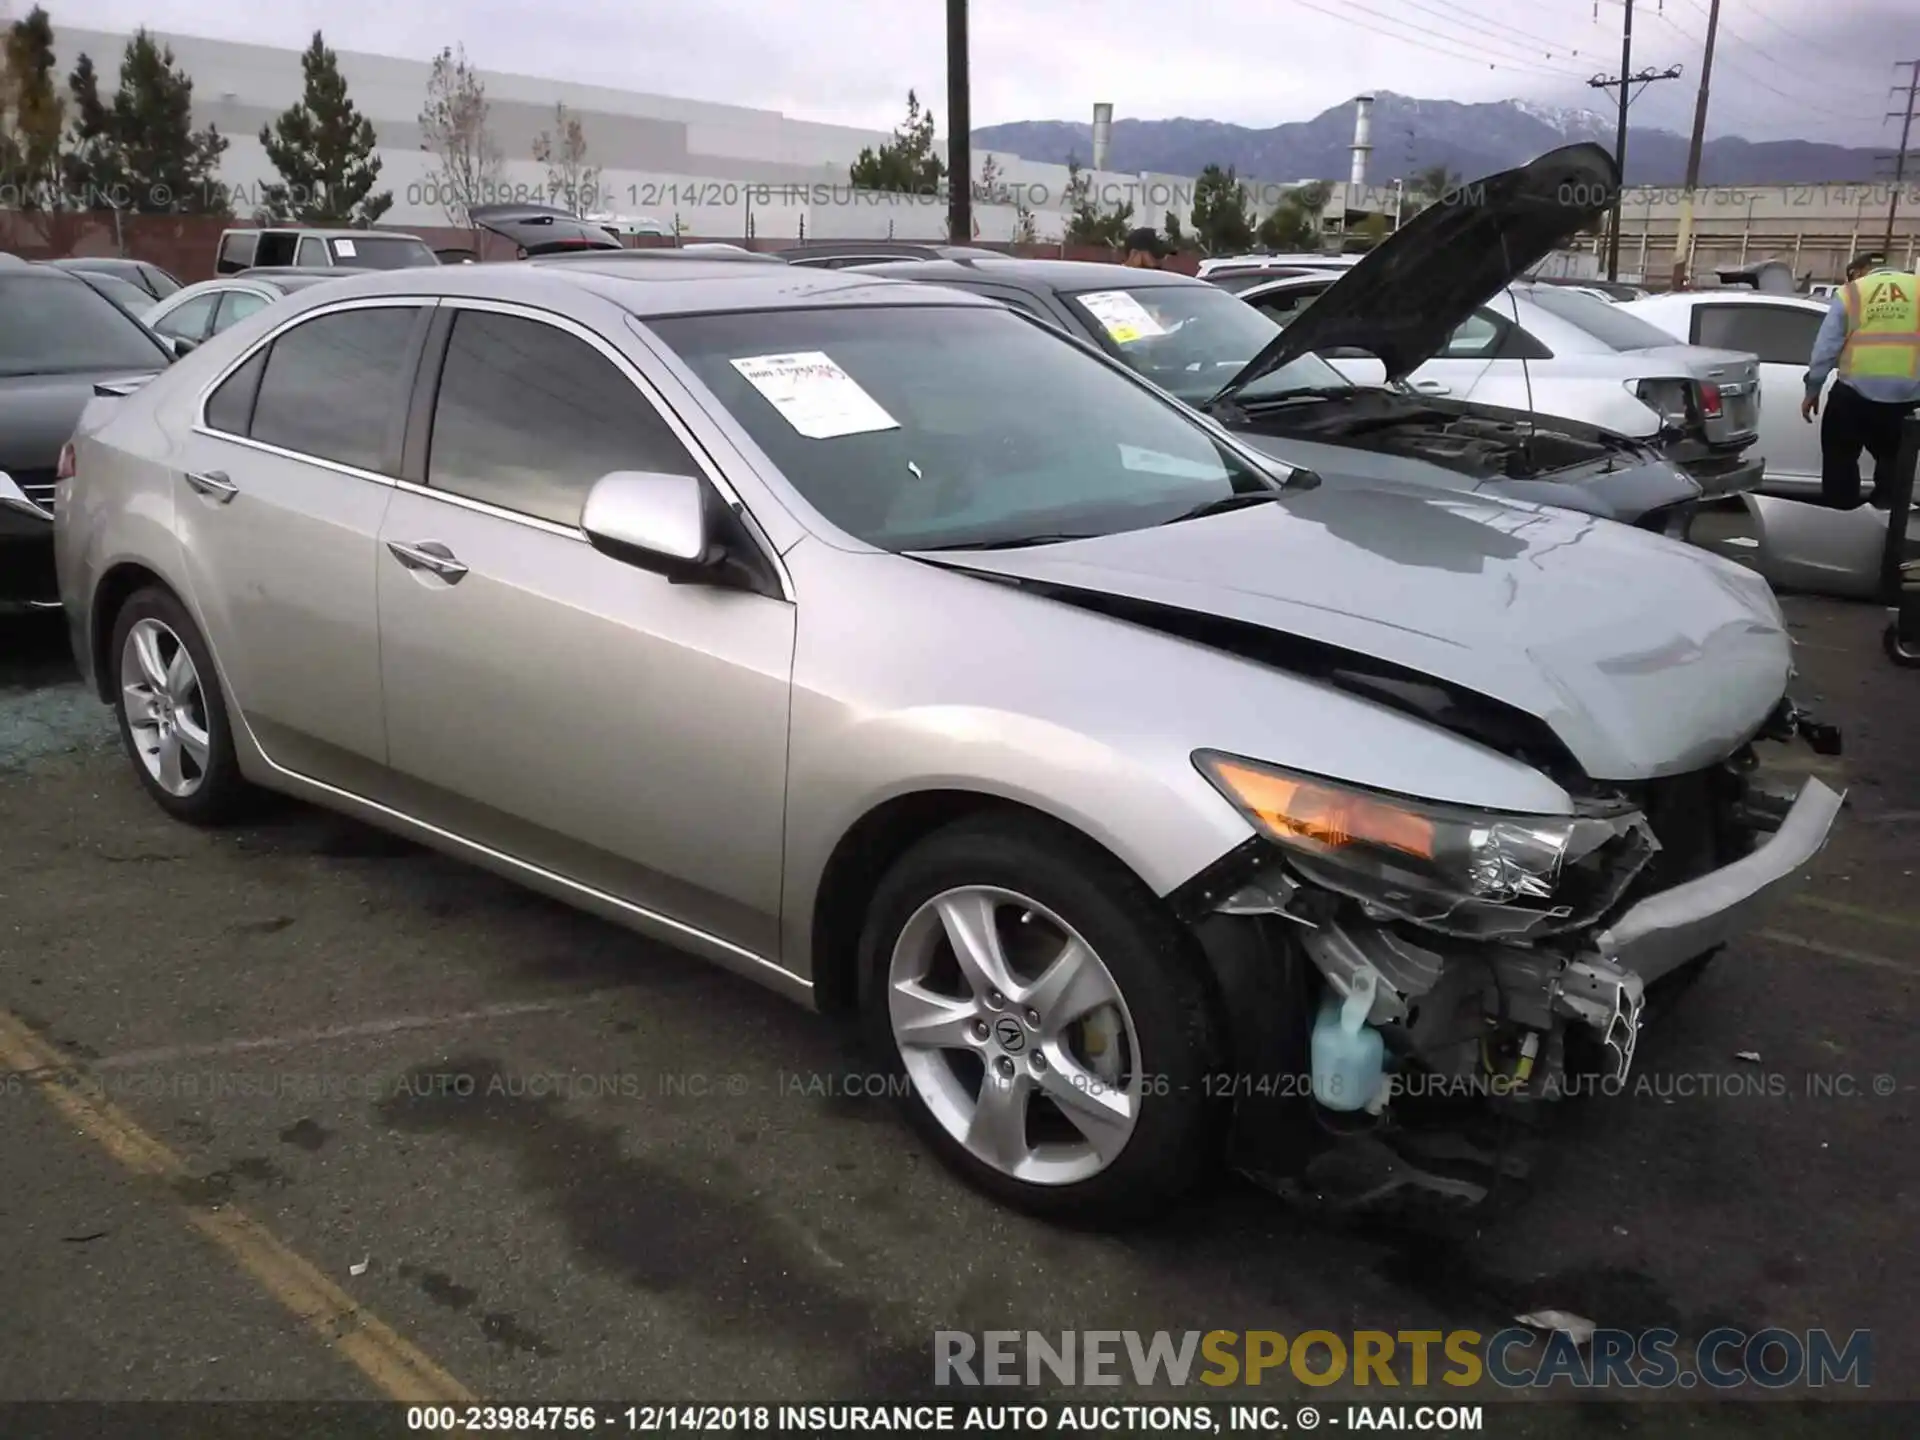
(189, 321)
(237, 305)
(382, 252)
(1602, 319)
(1778, 334)
(312, 251)
(124, 293)
(238, 249)
(528, 417)
(230, 408)
(55, 324)
(334, 386)
(882, 428)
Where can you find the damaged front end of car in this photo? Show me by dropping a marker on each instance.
(1502, 961)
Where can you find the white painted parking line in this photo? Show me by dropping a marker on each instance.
(1840, 952)
(394, 1025)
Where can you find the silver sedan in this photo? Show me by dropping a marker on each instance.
(901, 654)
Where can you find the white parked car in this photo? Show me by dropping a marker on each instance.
(1780, 330)
(1558, 350)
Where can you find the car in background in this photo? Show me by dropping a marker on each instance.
(188, 317)
(845, 254)
(984, 691)
(1779, 330)
(1549, 349)
(59, 338)
(311, 248)
(129, 297)
(1209, 349)
(1592, 285)
(143, 273)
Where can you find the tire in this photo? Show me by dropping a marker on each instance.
(187, 718)
(1133, 1073)
(1905, 656)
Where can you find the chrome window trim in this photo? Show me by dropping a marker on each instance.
(331, 307)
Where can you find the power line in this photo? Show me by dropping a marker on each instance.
(1750, 77)
(1500, 63)
(1501, 35)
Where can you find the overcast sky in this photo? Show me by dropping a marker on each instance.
(1784, 68)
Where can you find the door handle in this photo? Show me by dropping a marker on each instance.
(213, 483)
(429, 555)
(1432, 387)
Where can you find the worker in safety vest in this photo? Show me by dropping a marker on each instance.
(1872, 337)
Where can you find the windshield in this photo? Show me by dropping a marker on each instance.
(1602, 319)
(382, 252)
(1193, 339)
(920, 426)
(60, 326)
(130, 298)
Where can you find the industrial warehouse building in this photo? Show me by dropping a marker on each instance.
(705, 169)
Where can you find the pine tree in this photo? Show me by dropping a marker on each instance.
(1221, 222)
(324, 149)
(907, 164)
(141, 153)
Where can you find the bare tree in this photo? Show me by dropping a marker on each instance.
(572, 184)
(453, 129)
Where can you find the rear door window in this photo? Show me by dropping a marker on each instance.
(336, 386)
(313, 251)
(528, 417)
(1778, 334)
(235, 306)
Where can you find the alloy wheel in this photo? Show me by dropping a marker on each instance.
(1015, 1035)
(165, 707)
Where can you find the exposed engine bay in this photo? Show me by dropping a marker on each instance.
(1477, 440)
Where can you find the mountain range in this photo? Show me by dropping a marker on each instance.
(1412, 135)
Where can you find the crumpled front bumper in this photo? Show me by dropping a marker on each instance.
(1666, 930)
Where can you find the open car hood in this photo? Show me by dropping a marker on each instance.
(543, 229)
(1402, 301)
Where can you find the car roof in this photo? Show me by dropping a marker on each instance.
(1730, 295)
(289, 272)
(320, 231)
(1068, 277)
(645, 291)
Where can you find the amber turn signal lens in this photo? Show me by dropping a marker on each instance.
(1335, 818)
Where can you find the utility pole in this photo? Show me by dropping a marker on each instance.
(1623, 81)
(1905, 118)
(1683, 242)
(959, 129)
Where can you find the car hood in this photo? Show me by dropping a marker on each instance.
(38, 412)
(542, 229)
(1644, 657)
(1408, 294)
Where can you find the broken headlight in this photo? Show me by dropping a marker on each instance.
(1449, 867)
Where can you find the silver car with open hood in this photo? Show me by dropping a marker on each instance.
(903, 655)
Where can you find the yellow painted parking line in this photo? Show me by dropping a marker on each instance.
(1841, 952)
(397, 1368)
(1859, 912)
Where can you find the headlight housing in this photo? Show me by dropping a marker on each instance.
(1451, 868)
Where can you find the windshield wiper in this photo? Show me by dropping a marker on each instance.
(1225, 503)
(1017, 542)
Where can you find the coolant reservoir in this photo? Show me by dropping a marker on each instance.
(1348, 1054)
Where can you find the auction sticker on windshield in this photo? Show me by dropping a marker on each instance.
(344, 247)
(814, 395)
(1122, 316)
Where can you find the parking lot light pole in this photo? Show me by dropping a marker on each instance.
(959, 129)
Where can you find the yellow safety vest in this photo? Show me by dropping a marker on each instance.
(1883, 327)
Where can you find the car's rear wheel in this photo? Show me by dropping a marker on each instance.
(173, 718)
(1052, 1019)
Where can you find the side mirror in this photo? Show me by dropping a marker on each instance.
(658, 522)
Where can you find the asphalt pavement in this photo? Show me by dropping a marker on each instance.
(311, 1113)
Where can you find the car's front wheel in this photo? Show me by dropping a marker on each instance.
(173, 718)
(1053, 1020)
